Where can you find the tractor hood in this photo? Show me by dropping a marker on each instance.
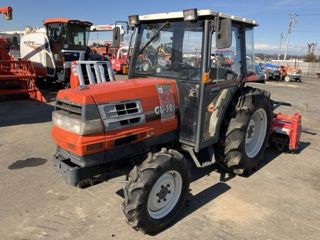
(145, 89)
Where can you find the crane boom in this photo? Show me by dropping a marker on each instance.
(7, 12)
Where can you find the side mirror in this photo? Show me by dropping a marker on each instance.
(116, 37)
(223, 33)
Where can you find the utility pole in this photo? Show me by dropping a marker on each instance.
(97, 39)
(309, 47)
(313, 46)
(291, 25)
(279, 54)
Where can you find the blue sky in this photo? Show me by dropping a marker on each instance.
(272, 16)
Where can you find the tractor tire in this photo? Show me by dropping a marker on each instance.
(287, 79)
(156, 191)
(146, 65)
(246, 130)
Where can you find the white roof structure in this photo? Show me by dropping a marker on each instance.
(106, 28)
(201, 13)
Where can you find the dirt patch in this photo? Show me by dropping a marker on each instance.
(312, 179)
(234, 209)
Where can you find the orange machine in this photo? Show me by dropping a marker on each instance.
(162, 118)
(140, 120)
(16, 77)
(289, 73)
(4, 50)
(6, 12)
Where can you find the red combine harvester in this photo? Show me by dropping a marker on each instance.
(17, 78)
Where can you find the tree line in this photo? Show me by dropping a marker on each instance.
(310, 57)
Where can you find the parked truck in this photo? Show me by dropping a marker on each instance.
(160, 121)
(272, 72)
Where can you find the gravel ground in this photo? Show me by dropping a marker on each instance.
(279, 201)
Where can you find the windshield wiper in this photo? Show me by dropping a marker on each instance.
(153, 37)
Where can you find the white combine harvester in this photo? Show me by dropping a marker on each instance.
(52, 49)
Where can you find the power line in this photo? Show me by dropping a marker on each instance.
(298, 31)
(308, 14)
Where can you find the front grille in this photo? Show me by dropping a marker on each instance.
(127, 108)
(130, 121)
(121, 114)
(69, 108)
(85, 73)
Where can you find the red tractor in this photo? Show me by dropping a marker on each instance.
(289, 73)
(163, 120)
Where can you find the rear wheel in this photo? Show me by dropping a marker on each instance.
(256, 132)
(267, 76)
(246, 131)
(156, 191)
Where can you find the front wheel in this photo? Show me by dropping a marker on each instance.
(146, 65)
(156, 191)
(287, 78)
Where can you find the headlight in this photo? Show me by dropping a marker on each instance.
(76, 125)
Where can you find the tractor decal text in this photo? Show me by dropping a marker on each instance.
(166, 109)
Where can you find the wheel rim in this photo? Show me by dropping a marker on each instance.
(287, 79)
(158, 69)
(164, 194)
(145, 66)
(256, 132)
